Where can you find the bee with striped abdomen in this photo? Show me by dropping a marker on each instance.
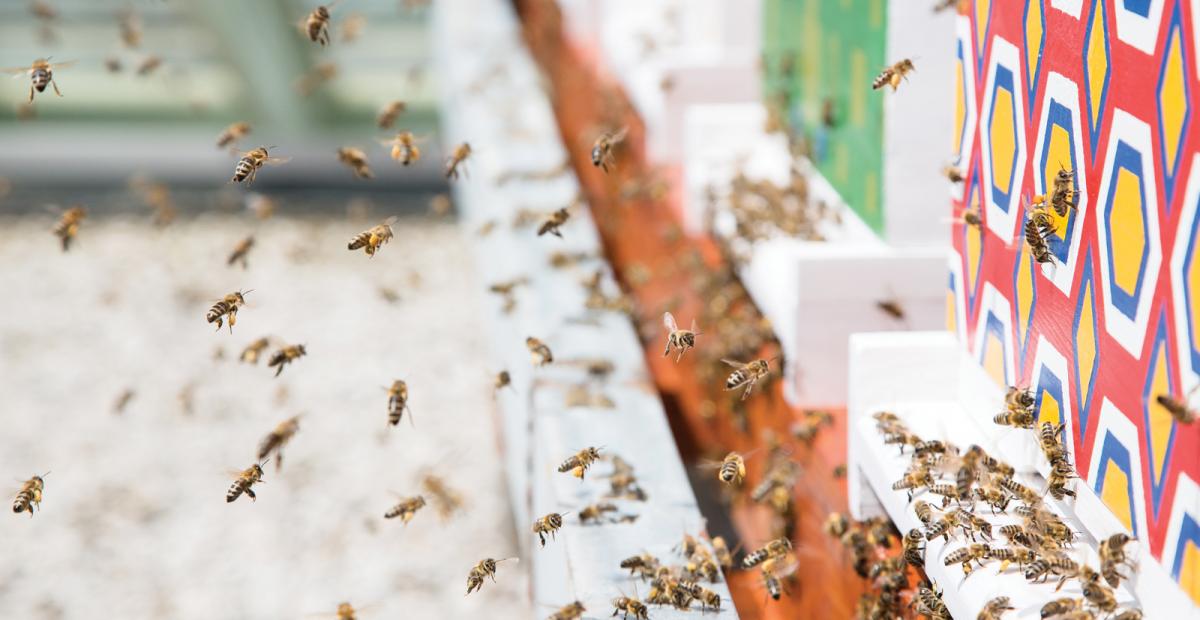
(406, 508)
(732, 470)
(404, 148)
(680, 339)
(775, 548)
(892, 75)
(247, 167)
(553, 222)
(285, 356)
(277, 439)
(41, 74)
(965, 555)
(746, 375)
(630, 606)
(240, 252)
(995, 608)
(604, 146)
(548, 524)
(914, 548)
(232, 134)
(68, 225)
(457, 158)
(373, 238)
(446, 500)
(1179, 407)
(246, 479)
(316, 24)
(579, 462)
(539, 352)
(571, 611)
(29, 497)
(356, 159)
(389, 113)
(928, 601)
(253, 350)
(485, 568)
(227, 306)
(398, 402)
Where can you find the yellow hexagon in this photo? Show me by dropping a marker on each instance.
(1003, 139)
(1085, 341)
(1024, 292)
(1128, 231)
(1033, 36)
(1115, 494)
(960, 105)
(982, 9)
(1160, 419)
(1097, 60)
(1172, 99)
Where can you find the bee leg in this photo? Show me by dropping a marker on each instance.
(30, 94)
(55, 85)
(279, 370)
(251, 495)
(232, 320)
(220, 323)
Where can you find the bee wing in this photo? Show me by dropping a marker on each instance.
(391, 220)
(734, 363)
(277, 160)
(669, 322)
(62, 65)
(16, 72)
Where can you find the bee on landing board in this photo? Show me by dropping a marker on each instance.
(892, 75)
(485, 568)
(680, 339)
(356, 159)
(398, 402)
(41, 74)
(240, 252)
(29, 497)
(373, 238)
(275, 441)
(389, 113)
(603, 147)
(552, 223)
(571, 611)
(246, 479)
(458, 158)
(285, 356)
(247, 167)
(404, 148)
(406, 508)
(746, 375)
(227, 306)
(316, 24)
(68, 226)
(630, 606)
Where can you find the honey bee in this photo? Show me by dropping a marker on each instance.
(995, 608)
(285, 356)
(603, 147)
(595, 512)
(953, 173)
(246, 479)
(485, 568)
(406, 508)
(628, 605)
(356, 159)
(1061, 606)
(1007, 556)
(247, 167)
(539, 353)
(892, 75)
(389, 113)
(1020, 491)
(447, 501)
(1100, 596)
(571, 611)
(456, 159)
(732, 470)
(227, 306)
(552, 223)
(149, 65)
(747, 375)
(404, 148)
(253, 350)
(275, 441)
(1178, 407)
(1129, 614)
(316, 23)
(548, 524)
(914, 548)
(41, 74)
(993, 496)
(240, 252)
(928, 601)
(1112, 555)
(708, 599)
(398, 402)
(123, 400)
(913, 480)
(318, 75)
(373, 238)
(971, 553)
(681, 339)
(29, 497)
(775, 548)
(579, 462)
(1063, 196)
(129, 23)
(68, 225)
(503, 379)
(1037, 240)
(231, 134)
(352, 27)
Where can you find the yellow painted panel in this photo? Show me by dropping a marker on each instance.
(1033, 34)
(1024, 292)
(1085, 342)
(960, 106)
(1003, 135)
(982, 8)
(1115, 494)
(1189, 575)
(993, 361)
(1128, 231)
(1172, 99)
(1097, 59)
(1160, 418)
(951, 312)
(1051, 410)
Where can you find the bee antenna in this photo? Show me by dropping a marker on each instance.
(45, 474)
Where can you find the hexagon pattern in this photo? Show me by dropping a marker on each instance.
(1108, 91)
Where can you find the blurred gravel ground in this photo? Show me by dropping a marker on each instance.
(134, 523)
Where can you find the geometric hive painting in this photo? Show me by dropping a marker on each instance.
(1109, 90)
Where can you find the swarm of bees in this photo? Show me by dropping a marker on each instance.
(678, 585)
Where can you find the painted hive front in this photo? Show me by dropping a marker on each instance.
(823, 53)
(1110, 90)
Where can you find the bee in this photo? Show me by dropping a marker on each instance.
(1016, 419)
(148, 65)
(352, 27)
(373, 238)
(247, 167)
(595, 512)
(943, 5)
(41, 74)
(644, 564)
(1041, 568)
(246, 479)
(1063, 196)
(942, 526)
(1036, 238)
(318, 75)
(240, 251)
(231, 134)
(1100, 596)
(1178, 408)
(775, 548)
(747, 375)
(68, 226)
(993, 609)
(227, 306)
(30, 495)
(485, 568)
(356, 159)
(539, 353)
(389, 113)
(252, 351)
(123, 400)
(316, 23)
(708, 599)
(1112, 555)
(913, 480)
(1008, 555)
(277, 439)
(503, 379)
(929, 602)
(721, 551)
(924, 512)
(993, 496)
(398, 402)
(406, 509)
(681, 339)
(457, 158)
(579, 462)
(914, 548)
(603, 147)
(1129, 614)
(953, 173)
(552, 223)
(1057, 483)
(732, 469)
(571, 611)
(628, 605)
(404, 148)
(972, 553)
(447, 501)
(892, 75)
(285, 356)
(548, 524)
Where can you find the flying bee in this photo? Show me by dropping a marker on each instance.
(275, 441)
(227, 306)
(953, 173)
(485, 568)
(595, 513)
(232, 134)
(721, 550)
(603, 147)
(149, 65)
(892, 75)
(404, 148)
(30, 495)
(356, 159)
(247, 167)
(548, 524)
(539, 353)
(68, 226)
(643, 565)
(747, 375)
(1179, 408)
(352, 27)
(246, 479)
(446, 500)
(286, 356)
(373, 238)
(316, 23)
(579, 462)
(123, 400)
(502, 380)
(1112, 555)
(129, 22)
(995, 608)
(398, 402)
(389, 113)
(240, 252)
(456, 159)
(41, 74)
(773, 549)
(732, 470)
(553, 222)
(571, 611)
(253, 350)
(320, 74)
(972, 553)
(406, 508)
(681, 339)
